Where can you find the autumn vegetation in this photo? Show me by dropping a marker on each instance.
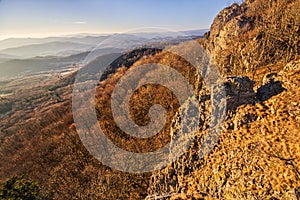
(258, 152)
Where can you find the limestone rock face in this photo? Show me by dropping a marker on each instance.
(223, 18)
(244, 37)
(258, 152)
(229, 24)
(248, 153)
(239, 91)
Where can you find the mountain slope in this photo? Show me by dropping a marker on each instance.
(38, 139)
(45, 49)
(257, 154)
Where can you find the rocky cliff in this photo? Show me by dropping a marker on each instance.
(257, 155)
(245, 37)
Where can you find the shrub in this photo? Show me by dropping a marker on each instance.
(18, 187)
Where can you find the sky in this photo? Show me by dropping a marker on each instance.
(42, 18)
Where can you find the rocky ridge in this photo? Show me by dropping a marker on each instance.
(257, 155)
(255, 44)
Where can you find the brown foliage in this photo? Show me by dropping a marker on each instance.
(261, 32)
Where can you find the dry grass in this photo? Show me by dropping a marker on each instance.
(257, 159)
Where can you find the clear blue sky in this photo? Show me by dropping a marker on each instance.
(56, 17)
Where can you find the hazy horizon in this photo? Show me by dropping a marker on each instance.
(82, 34)
(48, 18)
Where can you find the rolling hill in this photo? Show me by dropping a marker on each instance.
(256, 156)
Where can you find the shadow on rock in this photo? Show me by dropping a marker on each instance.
(270, 88)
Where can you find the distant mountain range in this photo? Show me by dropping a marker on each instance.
(46, 49)
(19, 42)
(52, 46)
(20, 56)
(20, 67)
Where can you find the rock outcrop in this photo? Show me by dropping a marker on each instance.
(260, 139)
(239, 91)
(229, 24)
(255, 33)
